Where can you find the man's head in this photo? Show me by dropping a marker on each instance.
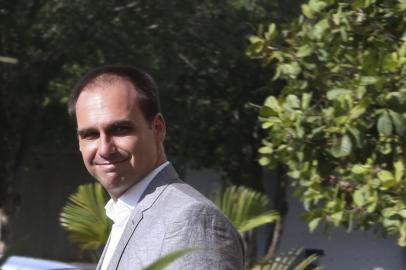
(142, 82)
(119, 124)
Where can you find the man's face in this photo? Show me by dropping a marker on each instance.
(119, 147)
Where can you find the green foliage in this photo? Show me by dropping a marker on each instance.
(246, 208)
(164, 261)
(288, 261)
(339, 123)
(84, 217)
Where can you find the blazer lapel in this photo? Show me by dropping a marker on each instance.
(99, 264)
(148, 198)
(125, 237)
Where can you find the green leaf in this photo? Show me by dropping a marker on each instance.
(317, 5)
(385, 175)
(257, 221)
(399, 169)
(291, 260)
(306, 263)
(265, 149)
(255, 39)
(388, 223)
(343, 33)
(397, 101)
(313, 224)
(399, 121)
(360, 169)
(373, 202)
(292, 102)
(341, 147)
(336, 93)
(402, 237)
(272, 33)
(357, 111)
(273, 103)
(264, 161)
(304, 51)
(307, 11)
(358, 136)
(164, 261)
(402, 213)
(360, 197)
(368, 80)
(267, 124)
(294, 174)
(265, 111)
(385, 124)
(389, 212)
(337, 218)
(292, 69)
(306, 99)
(84, 209)
(320, 28)
(387, 179)
(244, 207)
(402, 5)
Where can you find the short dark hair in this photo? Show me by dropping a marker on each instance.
(144, 84)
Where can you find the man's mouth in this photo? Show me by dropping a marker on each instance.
(109, 163)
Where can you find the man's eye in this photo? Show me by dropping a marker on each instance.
(120, 130)
(89, 136)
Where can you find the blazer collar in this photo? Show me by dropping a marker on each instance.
(147, 200)
(157, 186)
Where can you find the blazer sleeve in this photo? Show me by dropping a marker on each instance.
(216, 244)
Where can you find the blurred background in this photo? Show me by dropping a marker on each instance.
(211, 92)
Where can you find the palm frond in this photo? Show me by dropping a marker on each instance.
(84, 217)
(164, 261)
(265, 218)
(246, 208)
(287, 262)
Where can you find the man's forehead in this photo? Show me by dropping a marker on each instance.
(108, 80)
(100, 101)
(102, 98)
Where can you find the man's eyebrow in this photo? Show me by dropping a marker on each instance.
(84, 131)
(126, 123)
(121, 123)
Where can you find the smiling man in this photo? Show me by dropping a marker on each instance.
(121, 133)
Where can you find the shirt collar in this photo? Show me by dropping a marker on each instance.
(119, 211)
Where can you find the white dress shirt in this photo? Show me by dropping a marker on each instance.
(120, 212)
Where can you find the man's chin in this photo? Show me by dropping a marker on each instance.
(112, 183)
(115, 184)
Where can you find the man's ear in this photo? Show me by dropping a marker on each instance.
(159, 127)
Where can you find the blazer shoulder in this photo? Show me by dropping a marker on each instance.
(181, 193)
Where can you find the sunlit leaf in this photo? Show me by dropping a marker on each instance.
(166, 260)
(385, 124)
(246, 208)
(84, 217)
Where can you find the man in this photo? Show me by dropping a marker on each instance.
(121, 133)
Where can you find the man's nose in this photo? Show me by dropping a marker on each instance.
(106, 146)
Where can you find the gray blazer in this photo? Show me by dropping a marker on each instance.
(169, 216)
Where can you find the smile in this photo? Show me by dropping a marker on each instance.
(109, 163)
